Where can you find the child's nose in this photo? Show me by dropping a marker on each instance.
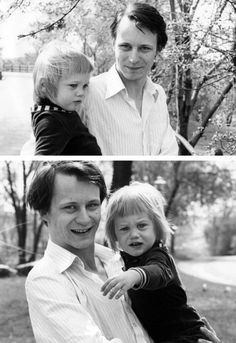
(80, 91)
(134, 233)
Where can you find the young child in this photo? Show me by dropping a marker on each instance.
(136, 223)
(61, 76)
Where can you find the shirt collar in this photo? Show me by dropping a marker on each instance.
(63, 258)
(150, 87)
(116, 85)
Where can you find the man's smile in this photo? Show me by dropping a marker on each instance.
(81, 231)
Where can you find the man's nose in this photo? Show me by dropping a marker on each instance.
(82, 216)
(134, 56)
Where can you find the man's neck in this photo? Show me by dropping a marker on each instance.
(134, 87)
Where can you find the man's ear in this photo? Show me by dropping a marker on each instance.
(44, 218)
(113, 44)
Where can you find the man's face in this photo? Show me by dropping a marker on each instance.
(71, 91)
(74, 214)
(134, 51)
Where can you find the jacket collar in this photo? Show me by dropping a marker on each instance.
(134, 260)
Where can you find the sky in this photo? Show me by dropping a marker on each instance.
(17, 23)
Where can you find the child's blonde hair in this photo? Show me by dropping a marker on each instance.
(134, 199)
(57, 59)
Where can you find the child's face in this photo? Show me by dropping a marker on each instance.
(135, 233)
(71, 91)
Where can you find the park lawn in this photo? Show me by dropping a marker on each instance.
(219, 307)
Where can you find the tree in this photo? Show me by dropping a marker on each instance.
(186, 83)
(187, 183)
(197, 68)
(15, 188)
(122, 171)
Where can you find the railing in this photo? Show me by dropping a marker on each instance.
(19, 68)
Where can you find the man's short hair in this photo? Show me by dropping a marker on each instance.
(144, 16)
(56, 60)
(40, 192)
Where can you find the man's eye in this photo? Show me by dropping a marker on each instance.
(70, 208)
(124, 47)
(93, 206)
(145, 48)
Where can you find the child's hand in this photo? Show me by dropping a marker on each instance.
(118, 285)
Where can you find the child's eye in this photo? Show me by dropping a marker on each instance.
(85, 86)
(73, 86)
(124, 228)
(141, 225)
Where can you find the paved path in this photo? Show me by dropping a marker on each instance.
(216, 269)
(16, 91)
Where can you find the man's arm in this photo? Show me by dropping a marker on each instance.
(57, 314)
(209, 332)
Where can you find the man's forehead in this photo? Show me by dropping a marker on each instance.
(70, 184)
(128, 26)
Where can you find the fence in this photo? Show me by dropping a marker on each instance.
(19, 68)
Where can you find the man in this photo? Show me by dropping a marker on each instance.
(126, 111)
(63, 289)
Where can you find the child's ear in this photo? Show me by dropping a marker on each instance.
(42, 85)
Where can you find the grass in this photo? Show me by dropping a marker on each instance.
(15, 325)
(216, 305)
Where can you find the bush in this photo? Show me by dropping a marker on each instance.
(220, 234)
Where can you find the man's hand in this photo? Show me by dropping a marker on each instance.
(117, 286)
(209, 332)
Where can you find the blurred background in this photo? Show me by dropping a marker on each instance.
(200, 205)
(196, 69)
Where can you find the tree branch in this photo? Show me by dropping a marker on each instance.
(217, 15)
(204, 79)
(13, 7)
(51, 26)
(198, 134)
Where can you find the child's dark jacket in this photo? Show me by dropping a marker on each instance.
(60, 132)
(161, 305)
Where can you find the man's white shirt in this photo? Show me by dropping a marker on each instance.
(112, 117)
(66, 304)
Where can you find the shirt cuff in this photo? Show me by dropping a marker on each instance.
(143, 278)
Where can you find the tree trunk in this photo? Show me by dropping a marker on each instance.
(122, 171)
(171, 199)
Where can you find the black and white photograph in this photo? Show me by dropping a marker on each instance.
(117, 251)
(117, 171)
(137, 78)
